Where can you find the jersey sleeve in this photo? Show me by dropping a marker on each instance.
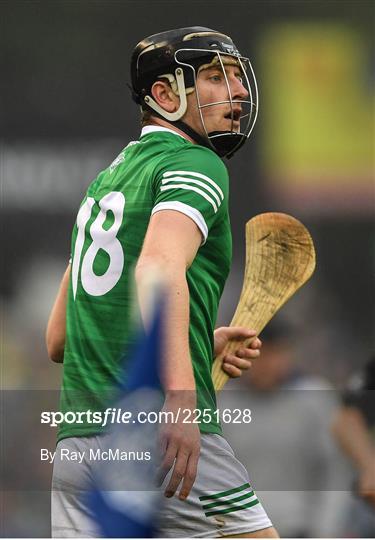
(193, 181)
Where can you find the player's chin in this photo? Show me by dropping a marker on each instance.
(225, 125)
(231, 127)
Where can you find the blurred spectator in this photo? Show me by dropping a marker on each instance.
(287, 448)
(354, 430)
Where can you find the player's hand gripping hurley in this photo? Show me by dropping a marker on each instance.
(280, 258)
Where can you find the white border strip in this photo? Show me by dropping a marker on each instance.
(153, 129)
(189, 211)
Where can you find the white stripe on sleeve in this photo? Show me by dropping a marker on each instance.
(197, 175)
(191, 188)
(189, 211)
(192, 181)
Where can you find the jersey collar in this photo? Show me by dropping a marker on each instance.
(146, 130)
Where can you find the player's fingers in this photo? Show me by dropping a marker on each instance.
(255, 343)
(190, 475)
(241, 363)
(249, 354)
(166, 464)
(231, 370)
(163, 443)
(177, 474)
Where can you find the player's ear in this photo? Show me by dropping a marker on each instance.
(164, 96)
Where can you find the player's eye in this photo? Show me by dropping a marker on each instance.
(216, 77)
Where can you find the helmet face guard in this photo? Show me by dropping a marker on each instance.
(179, 56)
(226, 143)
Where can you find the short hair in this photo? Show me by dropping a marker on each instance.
(146, 116)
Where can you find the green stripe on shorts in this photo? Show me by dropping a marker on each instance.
(224, 493)
(233, 508)
(223, 503)
(221, 499)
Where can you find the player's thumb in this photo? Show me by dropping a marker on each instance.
(240, 332)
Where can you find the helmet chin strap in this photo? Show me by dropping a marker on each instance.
(199, 139)
(177, 83)
(226, 143)
(221, 142)
(179, 90)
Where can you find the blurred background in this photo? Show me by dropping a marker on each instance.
(66, 113)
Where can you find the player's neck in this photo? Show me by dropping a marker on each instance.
(163, 123)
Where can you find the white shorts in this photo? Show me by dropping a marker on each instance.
(221, 502)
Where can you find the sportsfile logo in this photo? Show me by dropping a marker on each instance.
(113, 415)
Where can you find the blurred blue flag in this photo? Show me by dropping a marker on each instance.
(125, 502)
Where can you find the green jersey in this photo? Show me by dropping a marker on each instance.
(161, 171)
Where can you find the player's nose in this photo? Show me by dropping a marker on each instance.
(238, 89)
